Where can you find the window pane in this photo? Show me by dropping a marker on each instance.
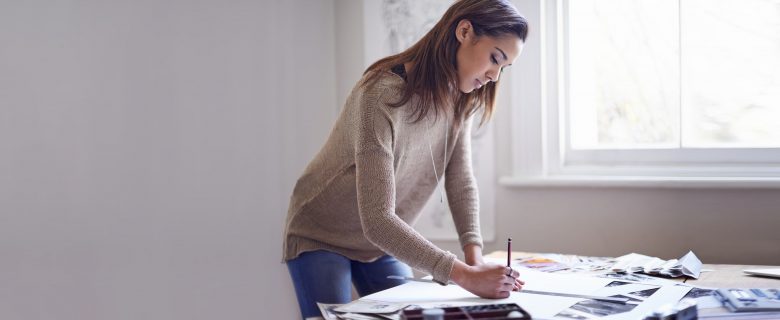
(623, 73)
(731, 73)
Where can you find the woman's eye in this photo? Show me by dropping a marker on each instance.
(493, 59)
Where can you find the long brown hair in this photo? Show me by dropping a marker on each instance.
(433, 76)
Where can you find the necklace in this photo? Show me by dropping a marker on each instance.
(444, 161)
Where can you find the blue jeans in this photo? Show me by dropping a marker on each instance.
(327, 277)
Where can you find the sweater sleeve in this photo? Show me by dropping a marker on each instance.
(461, 186)
(376, 196)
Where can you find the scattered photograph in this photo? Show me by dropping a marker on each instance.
(645, 293)
(631, 299)
(589, 309)
(369, 306)
(569, 314)
(327, 310)
(617, 283)
(627, 276)
(602, 308)
(698, 292)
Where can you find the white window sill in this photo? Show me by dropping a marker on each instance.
(642, 182)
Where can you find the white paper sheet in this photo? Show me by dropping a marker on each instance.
(427, 294)
(664, 295)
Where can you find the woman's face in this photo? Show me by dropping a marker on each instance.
(481, 59)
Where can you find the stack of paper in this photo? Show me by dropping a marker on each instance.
(688, 265)
(553, 262)
(362, 310)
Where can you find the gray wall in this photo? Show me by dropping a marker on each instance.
(720, 226)
(147, 152)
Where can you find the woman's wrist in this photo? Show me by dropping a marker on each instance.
(459, 271)
(473, 254)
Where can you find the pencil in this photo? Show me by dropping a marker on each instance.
(509, 252)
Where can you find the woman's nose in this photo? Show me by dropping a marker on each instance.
(493, 74)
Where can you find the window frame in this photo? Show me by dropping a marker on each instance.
(541, 153)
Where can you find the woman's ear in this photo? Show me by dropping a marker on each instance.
(463, 30)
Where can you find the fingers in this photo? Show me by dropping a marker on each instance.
(518, 285)
(507, 285)
(508, 271)
(504, 290)
(512, 276)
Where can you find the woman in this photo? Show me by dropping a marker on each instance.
(404, 127)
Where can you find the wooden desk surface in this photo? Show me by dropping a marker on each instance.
(722, 276)
(731, 276)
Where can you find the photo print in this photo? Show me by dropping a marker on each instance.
(590, 309)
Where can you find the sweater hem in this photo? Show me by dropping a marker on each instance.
(295, 246)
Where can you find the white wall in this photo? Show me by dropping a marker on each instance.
(147, 152)
(350, 46)
(720, 226)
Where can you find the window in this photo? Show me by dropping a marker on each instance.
(650, 90)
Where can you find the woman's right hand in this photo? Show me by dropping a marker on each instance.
(490, 281)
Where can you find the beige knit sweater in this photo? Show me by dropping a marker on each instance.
(362, 192)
